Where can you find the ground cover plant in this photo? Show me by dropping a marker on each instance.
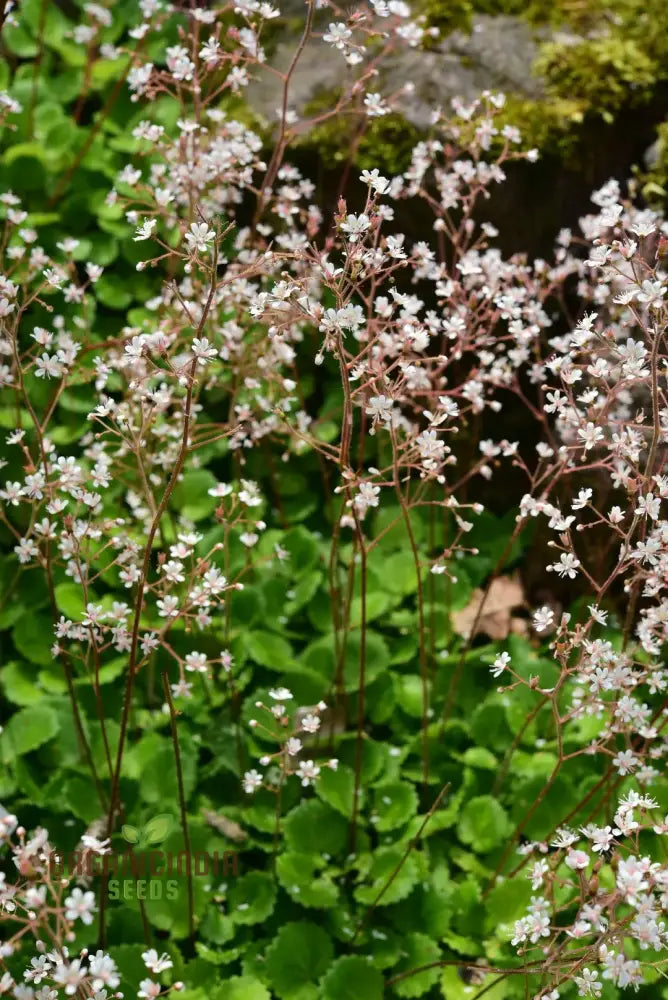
(334, 587)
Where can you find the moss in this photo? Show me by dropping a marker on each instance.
(611, 55)
(602, 74)
(551, 125)
(458, 15)
(388, 145)
(653, 180)
(386, 142)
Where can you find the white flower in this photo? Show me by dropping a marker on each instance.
(203, 350)
(652, 293)
(95, 845)
(375, 181)
(196, 663)
(48, 366)
(601, 837)
(649, 505)
(543, 618)
(625, 762)
(308, 772)
(380, 408)
(93, 614)
(538, 873)
(71, 975)
(587, 984)
(599, 616)
(220, 490)
(145, 230)
(355, 226)
(567, 566)
(375, 108)
(103, 969)
(367, 497)
(26, 550)
(80, 905)
(199, 237)
(577, 860)
(38, 971)
(249, 494)
(591, 435)
(280, 694)
(155, 963)
(499, 665)
(252, 780)
(582, 499)
(598, 256)
(182, 689)
(310, 723)
(168, 607)
(337, 35)
(148, 989)
(210, 50)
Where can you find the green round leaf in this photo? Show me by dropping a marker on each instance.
(313, 827)
(244, 988)
(33, 637)
(352, 978)
(395, 804)
(269, 650)
(27, 730)
(421, 950)
(384, 876)
(299, 954)
(191, 497)
(112, 292)
(337, 788)
(484, 824)
(321, 657)
(18, 684)
(69, 600)
(297, 873)
(252, 898)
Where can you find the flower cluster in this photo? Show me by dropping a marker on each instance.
(618, 895)
(48, 908)
(294, 730)
(146, 512)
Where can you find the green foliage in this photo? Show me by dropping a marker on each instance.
(297, 957)
(600, 74)
(460, 14)
(27, 730)
(653, 180)
(352, 977)
(483, 824)
(385, 143)
(594, 61)
(354, 882)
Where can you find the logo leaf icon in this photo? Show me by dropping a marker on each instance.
(130, 833)
(157, 829)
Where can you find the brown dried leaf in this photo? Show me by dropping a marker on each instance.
(228, 827)
(496, 619)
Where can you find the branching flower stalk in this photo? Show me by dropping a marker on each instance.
(271, 342)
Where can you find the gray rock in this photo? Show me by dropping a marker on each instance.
(652, 155)
(496, 55)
